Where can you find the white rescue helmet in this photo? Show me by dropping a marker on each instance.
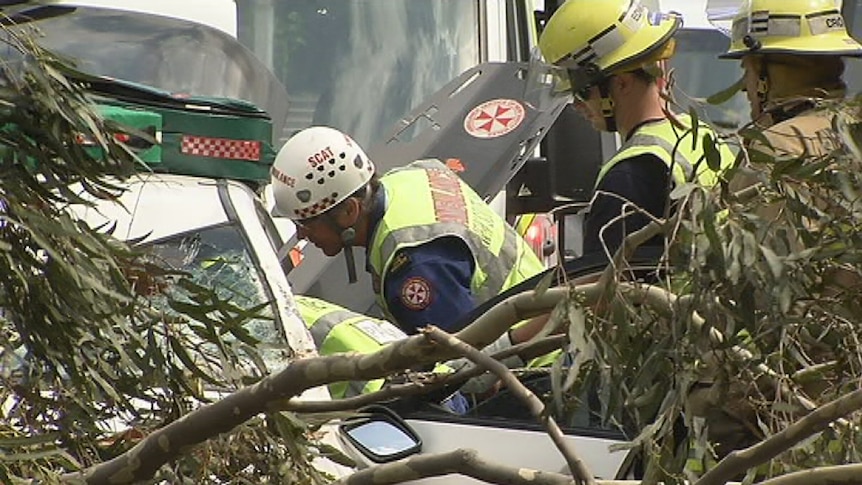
(315, 170)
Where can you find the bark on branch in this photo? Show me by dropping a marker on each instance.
(411, 389)
(764, 451)
(534, 404)
(461, 461)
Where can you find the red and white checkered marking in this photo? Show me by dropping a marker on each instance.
(204, 146)
(315, 209)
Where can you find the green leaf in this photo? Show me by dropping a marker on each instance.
(775, 263)
(725, 94)
(546, 281)
(181, 353)
(29, 441)
(695, 125)
(711, 152)
(755, 135)
(682, 191)
(335, 454)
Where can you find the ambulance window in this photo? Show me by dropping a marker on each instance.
(360, 65)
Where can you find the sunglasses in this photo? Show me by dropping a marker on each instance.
(583, 95)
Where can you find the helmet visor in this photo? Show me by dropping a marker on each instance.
(546, 83)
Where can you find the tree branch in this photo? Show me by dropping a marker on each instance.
(537, 407)
(764, 451)
(402, 390)
(141, 462)
(461, 461)
(828, 475)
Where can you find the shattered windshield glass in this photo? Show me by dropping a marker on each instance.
(227, 282)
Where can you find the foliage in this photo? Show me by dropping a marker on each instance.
(755, 321)
(102, 341)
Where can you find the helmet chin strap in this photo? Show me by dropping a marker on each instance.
(347, 237)
(763, 86)
(607, 105)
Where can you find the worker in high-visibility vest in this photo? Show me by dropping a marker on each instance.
(336, 329)
(610, 55)
(793, 55)
(434, 249)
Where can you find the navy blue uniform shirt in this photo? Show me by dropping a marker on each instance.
(432, 285)
(429, 283)
(643, 182)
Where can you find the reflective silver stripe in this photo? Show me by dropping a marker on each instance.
(783, 26)
(607, 41)
(762, 24)
(642, 139)
(823, 22)
(496, 267)
(323, 325)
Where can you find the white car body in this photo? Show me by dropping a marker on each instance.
(159, 207)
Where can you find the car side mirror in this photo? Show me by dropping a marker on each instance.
(381, 435)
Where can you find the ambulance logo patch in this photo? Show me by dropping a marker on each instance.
(494, 118)
(416, 293)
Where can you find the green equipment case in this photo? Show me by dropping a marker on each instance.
(201, 136)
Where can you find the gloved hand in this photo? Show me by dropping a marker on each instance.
(484, 383)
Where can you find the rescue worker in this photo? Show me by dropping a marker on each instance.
(791, 53)
(434, 248)
(336, 329)
(610, 55)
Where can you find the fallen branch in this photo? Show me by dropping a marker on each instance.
(142, 461)
(461, 461)
(411, 389)
(828, 475)
(537, 407)
(764, 451)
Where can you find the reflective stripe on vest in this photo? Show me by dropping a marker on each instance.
(337, 330)
(673, 145)
(426, 201)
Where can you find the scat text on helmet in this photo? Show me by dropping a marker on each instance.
(320, 157)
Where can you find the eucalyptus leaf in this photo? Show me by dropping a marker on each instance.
(726, 94)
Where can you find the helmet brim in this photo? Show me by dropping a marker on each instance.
(843, 46)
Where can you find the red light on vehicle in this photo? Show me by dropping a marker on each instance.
(296, 257)
(533, 232)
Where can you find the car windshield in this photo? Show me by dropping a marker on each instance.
(360, 65)
(218, 260)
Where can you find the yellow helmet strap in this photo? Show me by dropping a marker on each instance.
(607, 104)
(763, 84)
